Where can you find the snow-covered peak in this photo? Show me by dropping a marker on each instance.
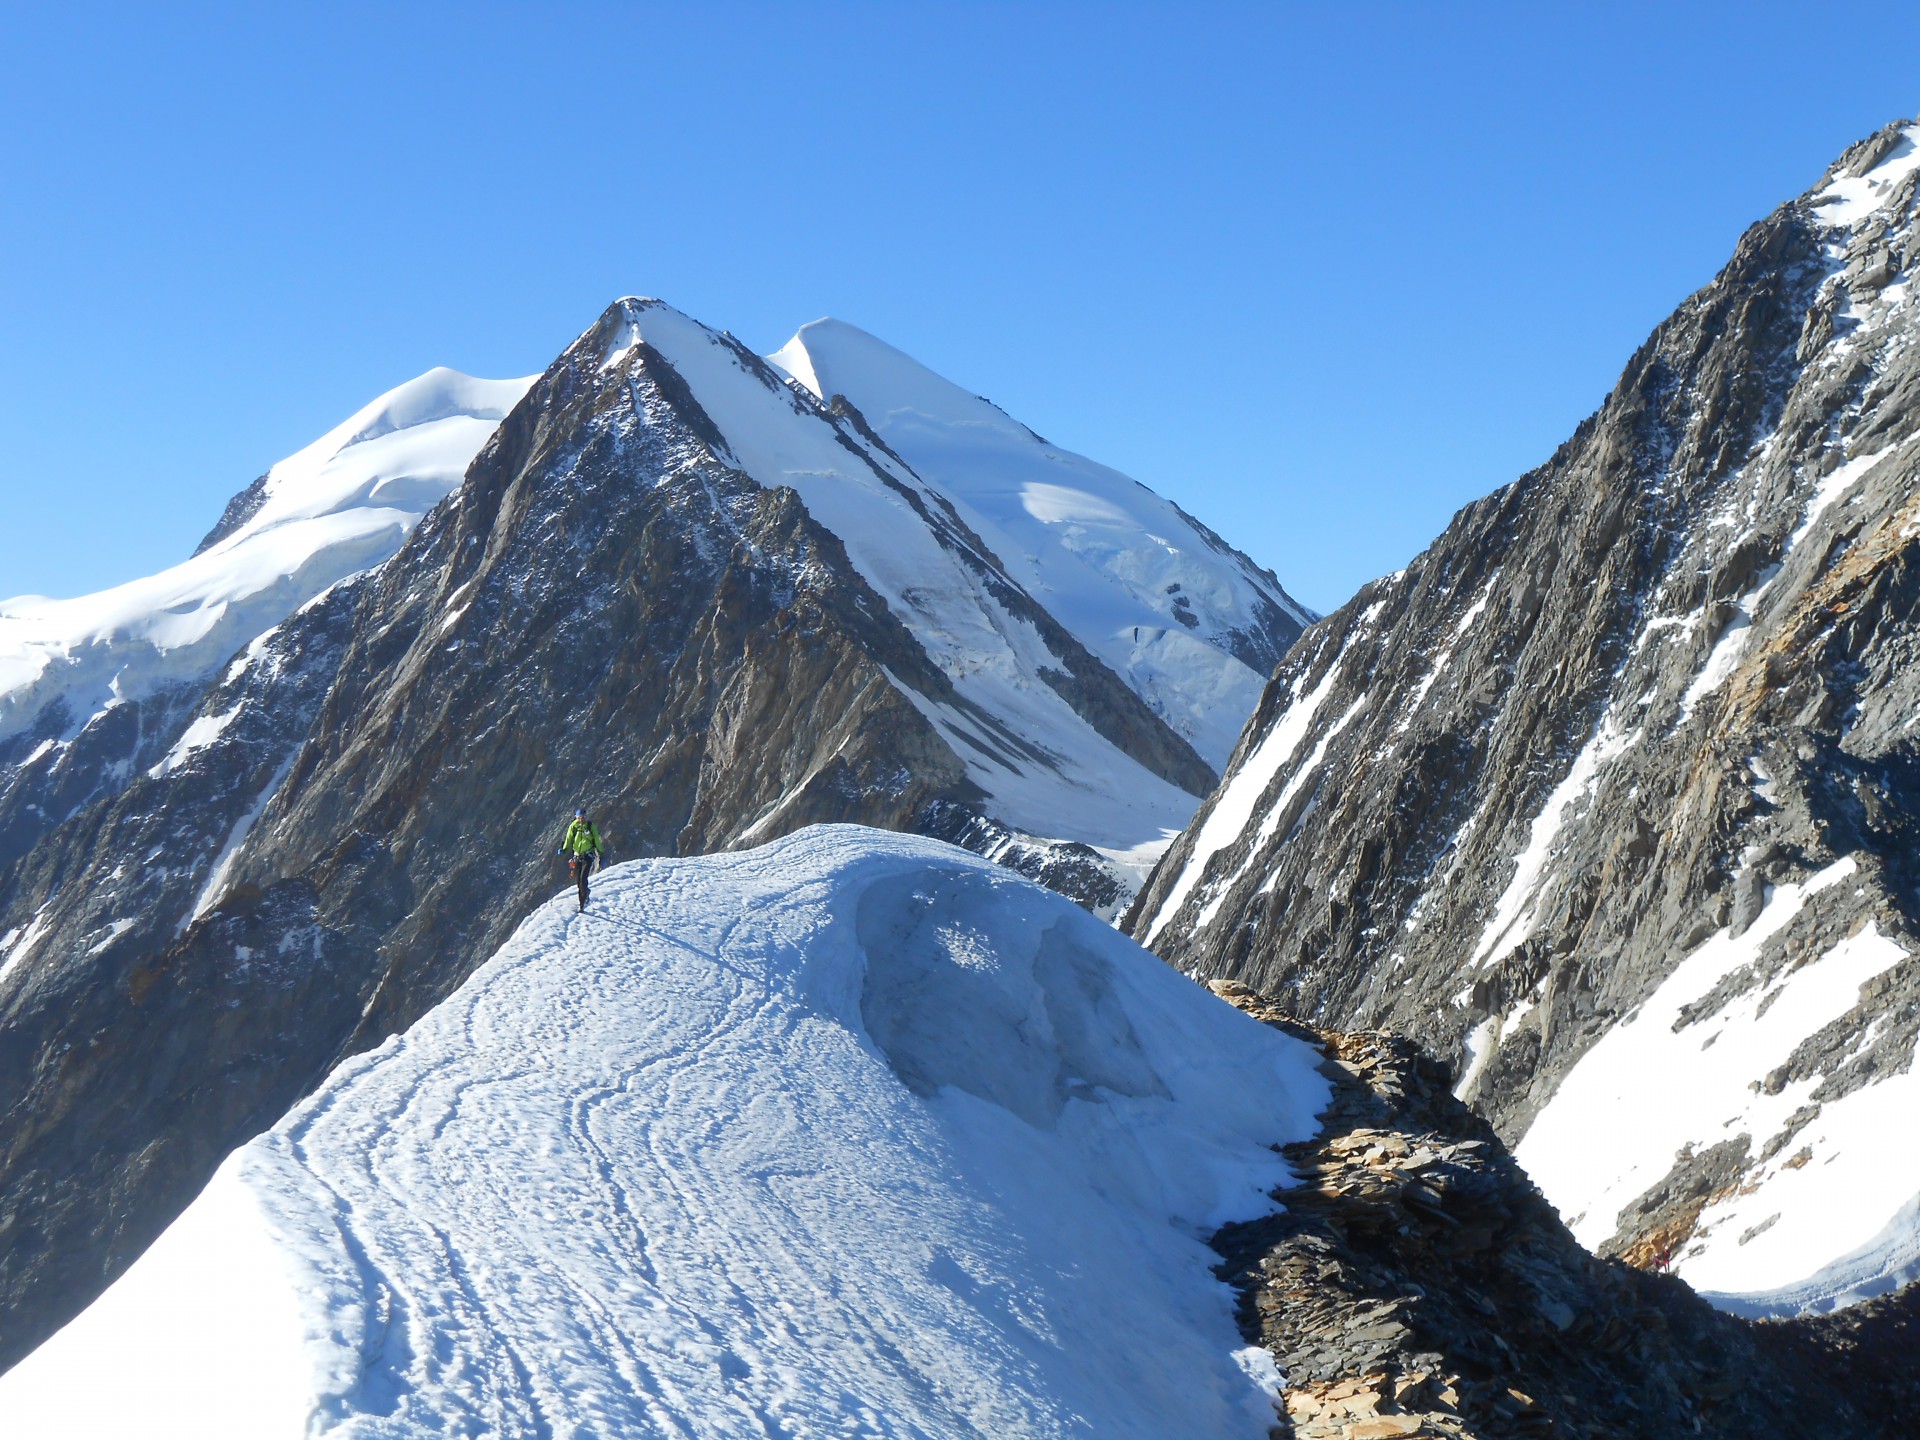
(1857, 190)
(1049, 772)
(831, 357)
(1185, 619)
(336, 507)
(855, 1134)
(411, 443)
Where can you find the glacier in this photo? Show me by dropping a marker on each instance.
(338, 506)
(1180, 615)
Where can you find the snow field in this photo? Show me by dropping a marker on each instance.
(198, 735)
(1851, 198)
(204, 1337)
(1648, 1089)
(852, 1135)
(341, 505)
(1112, 561)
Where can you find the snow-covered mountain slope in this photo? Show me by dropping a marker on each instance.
(96, 690)
(1807, 1235)
(342, 504)
(1185, 619)
(1053, 761)
(673, 586)
(855, 1134)
(1613, 796)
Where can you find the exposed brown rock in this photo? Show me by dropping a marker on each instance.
(1417, 1284)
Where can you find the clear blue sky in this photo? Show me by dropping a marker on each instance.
(1321, 274)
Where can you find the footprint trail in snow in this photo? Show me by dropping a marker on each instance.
(852, 1135)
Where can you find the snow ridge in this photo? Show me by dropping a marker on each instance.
(339, 506)
(855, 1134)
(1183, 618)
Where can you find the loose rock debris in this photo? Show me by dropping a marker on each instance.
(1417, 1284)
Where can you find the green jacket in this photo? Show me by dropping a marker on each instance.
(581, 839)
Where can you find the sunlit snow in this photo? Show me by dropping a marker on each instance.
(1239, 796)
(340, 505)
(852, 1135)
(1115, 563)
(1851, 198)
(1513, 913)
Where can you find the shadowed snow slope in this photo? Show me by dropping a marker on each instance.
(854, 1134)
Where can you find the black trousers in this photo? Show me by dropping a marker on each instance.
(581, 865)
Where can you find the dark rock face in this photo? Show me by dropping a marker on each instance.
(1867, 1350)
(48, 775)
(610, 612)
(240, 509)
(115, 1109)
(1073, 870)
(1417, 1284)
(1611, 713)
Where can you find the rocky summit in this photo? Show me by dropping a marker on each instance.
(1612, 796)
(264, 810)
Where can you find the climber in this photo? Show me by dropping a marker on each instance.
(581, 845)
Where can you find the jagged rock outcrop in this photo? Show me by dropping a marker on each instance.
(1417, 1284)
(672, 585)
(1613, 795)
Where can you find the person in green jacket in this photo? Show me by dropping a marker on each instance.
(581, 845)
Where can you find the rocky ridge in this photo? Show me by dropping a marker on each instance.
(1417, 1284)
(1632, 742)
